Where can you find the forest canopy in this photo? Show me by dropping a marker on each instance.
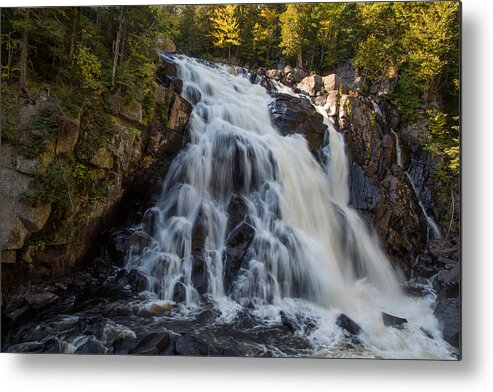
(83, 51)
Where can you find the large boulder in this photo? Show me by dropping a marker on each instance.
(237, 244)
(152, 344)
(447, 311)
(310, 85)
(297, 115)
(333, 82)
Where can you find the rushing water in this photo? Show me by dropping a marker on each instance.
(308, 242)
(312, 257)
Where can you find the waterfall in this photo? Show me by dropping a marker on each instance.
(306, 244)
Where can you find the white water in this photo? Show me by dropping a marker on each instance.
(311, 253)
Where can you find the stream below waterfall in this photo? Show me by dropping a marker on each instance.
(253, 250)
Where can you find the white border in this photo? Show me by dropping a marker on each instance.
(87, 374)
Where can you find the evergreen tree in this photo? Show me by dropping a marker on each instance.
(226, 31)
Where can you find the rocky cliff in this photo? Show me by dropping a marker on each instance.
(46, 234)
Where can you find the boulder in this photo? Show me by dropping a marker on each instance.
(40, 300)
(310, 85)
(91, 347)
(68, 133)
(333, 82)
(393, 321)
(33, 217)
(332, 103)
(347, 324)
(190, 345)
(276, 74)
(152, 344)
(138, 280)
(237, 244)
(447, 311)
(447, 281)
(294, 114)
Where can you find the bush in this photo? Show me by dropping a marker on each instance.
(41, 131)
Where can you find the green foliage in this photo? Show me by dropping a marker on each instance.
(226, 32)
(96, 127)
(89, 67)
(53, 185)
(41, 132)
(8, 106)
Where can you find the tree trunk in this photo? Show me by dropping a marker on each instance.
(116, 47)
(299, 61)
(72, 37)
(229, 54)
(23, 58)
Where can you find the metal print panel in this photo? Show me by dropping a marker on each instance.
(269, 180)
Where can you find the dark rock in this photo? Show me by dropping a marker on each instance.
(292, 114)
(179, 292)
(393, 321)
(199, 265)
(123, 345)
(447, 281)
(261, 71)
(93, 325)
(138, 280)
(347, 324)
(290, 322)
(237, 212)
(51, 346)
(190, 345)
(91, 347)
(447, 311)
(237, 244)
(119, 246)
(207, 316)
(152, 344)
(40, 300)
(364, 195)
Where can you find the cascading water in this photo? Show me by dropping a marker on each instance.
(309, 254)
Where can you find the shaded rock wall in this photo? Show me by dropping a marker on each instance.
(41, 241)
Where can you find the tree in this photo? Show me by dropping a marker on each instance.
(226, 31)
(294, 22)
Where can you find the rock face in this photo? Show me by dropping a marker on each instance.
(379, 187)
(130, 163)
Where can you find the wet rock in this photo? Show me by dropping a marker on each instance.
(190, 345)
(290, 322)
(199, 265)
(237, 212)
(138, 280)
(364, 194)
(293, 114)
(179, 292)
(261, 71)
(347, 324)
(123, 345)
(93, 325)
(207, 316)
(92, 347)
(237, 244)
(447, 311)
(40, 300)
(393, 321)
(18, 313)
(152, 344)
